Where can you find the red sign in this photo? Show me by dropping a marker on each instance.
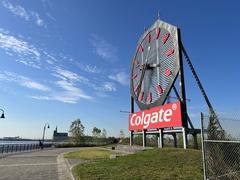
(168, 115)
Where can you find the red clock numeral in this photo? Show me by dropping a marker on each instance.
(165, 38)
(134, 76)
(136, 88)
(157, 32)
(140, 48)
(160, 90)
(168, 72)
(136, 62)
(141, 96)
(170, 52)
(150, 97)
(149, 37)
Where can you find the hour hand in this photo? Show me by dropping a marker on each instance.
(141, 80)
(153, 65)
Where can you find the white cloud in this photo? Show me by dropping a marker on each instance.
(66, 74)
(89, 68)
(41, 97)
(23, 13)
(120, 77)
(23, 81)
(16, 10)
(16, 45)
(29, 63)
(106, 87)
(69, 93)
(33, 85)
(37, 19)
(103, 48)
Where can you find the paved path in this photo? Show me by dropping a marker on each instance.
(39, 165)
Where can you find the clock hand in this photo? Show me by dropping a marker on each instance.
(141, 80)
(143, 73)
(157, 65)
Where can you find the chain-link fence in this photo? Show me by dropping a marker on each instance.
(221, 147)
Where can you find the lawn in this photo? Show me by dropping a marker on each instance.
(91, 154)
(149, 164)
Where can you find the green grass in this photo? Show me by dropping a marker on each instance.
(149, 164)
(91, 154)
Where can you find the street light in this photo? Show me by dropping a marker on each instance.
(2, 116)
(128, 112)
(44, 131)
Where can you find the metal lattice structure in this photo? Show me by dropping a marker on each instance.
(221, 148)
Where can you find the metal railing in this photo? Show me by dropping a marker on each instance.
(221, 148)
(13, 148)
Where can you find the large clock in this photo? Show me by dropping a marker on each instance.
(155, 65)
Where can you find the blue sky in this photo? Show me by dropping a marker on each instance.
(62, 60)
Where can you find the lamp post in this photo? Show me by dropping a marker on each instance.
(44, 129)
(2, 116)
(121, 111)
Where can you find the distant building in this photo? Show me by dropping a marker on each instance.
(59, 136)
(12, 138)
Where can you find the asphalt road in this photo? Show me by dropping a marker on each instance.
(38, 165)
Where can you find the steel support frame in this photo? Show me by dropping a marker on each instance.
(182, 86)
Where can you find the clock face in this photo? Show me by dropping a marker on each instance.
(155, 65)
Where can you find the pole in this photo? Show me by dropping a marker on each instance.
(184, 138)
(144, 138)
(175, 140)
(203, 149)
(132, 111)
(160, 139)
(43, 133)
(182, 86)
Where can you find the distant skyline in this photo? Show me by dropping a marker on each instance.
(63, 60)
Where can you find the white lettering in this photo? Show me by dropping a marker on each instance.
(138, 120)
(167, 115)
(146, 120)
(154, 118)
(131, 121)
(160, 115)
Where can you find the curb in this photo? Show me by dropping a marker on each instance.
(64, 170)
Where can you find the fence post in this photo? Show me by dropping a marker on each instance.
(2, 149)
(203, 149)
(185, 139)
(131, 138)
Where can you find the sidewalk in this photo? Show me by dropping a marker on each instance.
(46, 164)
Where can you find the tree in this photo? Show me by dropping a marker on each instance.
(121, 135)
(96, 132)
(104, 133)
(77, 131)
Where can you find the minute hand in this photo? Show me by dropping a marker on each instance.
(143, 73)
